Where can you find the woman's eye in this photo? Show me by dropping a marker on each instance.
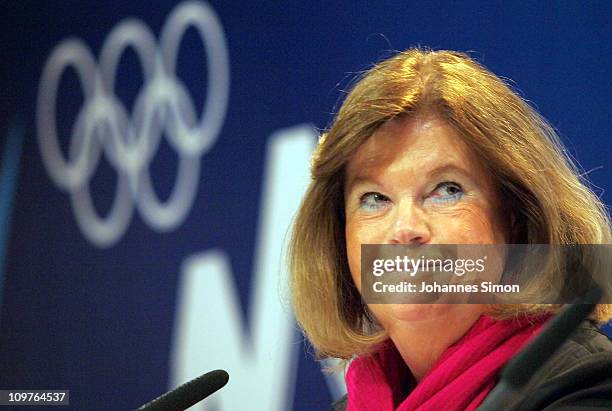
(373, 201)
(446, 192)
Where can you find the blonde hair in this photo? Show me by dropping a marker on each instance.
(517, 146)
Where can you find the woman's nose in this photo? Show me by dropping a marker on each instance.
(409, 225)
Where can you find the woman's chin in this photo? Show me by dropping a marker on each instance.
(386, 313)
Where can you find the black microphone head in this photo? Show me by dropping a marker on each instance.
(190, 393)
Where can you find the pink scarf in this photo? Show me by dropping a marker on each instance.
(460, 380)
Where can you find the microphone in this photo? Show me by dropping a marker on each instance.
(188, 394)
(521, 368)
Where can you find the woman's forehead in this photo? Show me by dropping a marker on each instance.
(420, 143)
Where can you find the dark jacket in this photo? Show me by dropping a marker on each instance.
(577, 377)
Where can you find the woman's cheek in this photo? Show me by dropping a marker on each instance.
(353, 250)
(361, 230)
(469, 225)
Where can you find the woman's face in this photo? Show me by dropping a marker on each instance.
(416, 182)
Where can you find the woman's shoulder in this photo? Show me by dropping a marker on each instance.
(586, 345)
(579, 375)
(591, 338)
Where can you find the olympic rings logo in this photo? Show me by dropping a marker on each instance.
(103, 124)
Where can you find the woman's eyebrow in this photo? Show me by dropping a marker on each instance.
(448, 168)
(358, 180)
(364, 178)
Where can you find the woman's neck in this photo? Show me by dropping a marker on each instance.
(421, 343)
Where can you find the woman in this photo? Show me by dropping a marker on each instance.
(431, 148)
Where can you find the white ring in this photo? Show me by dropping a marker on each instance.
(104, 126)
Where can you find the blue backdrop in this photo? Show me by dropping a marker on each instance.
(144, 217)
